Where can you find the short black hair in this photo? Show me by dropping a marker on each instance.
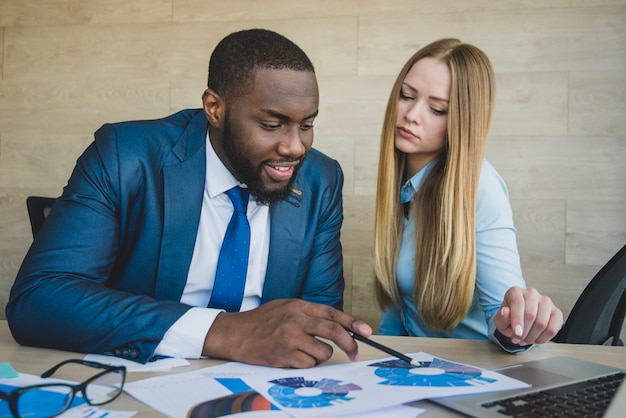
(236, 58)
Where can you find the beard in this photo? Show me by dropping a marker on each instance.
(252, 175)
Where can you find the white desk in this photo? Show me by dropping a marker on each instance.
(478, 353)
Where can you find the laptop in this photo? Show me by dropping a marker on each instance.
(618, 405)
(552, 376)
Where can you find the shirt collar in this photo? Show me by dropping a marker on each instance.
(413, 184)
(218, 178)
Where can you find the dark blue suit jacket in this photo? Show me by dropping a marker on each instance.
(108, 268)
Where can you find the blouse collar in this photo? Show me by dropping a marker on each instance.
(413, 184)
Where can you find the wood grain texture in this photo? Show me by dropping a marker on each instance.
(558, 135)
(1, 53)
(81, 12)
(596, 107)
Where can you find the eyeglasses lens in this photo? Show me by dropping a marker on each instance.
(105, 388)
(43, 402)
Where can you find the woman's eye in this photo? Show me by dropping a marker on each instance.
(439, 112)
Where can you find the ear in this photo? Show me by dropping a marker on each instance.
(214, 108)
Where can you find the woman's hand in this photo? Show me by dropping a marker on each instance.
(528, 317)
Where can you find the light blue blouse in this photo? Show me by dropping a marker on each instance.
(498, 264)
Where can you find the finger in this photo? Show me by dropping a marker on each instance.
(544, 337)
(345, 320)
(501, 321)
(336, 333)
(333, 327)
(296, 346)
(514, 300)
(310, 353)
(299, 360)
(305, 321)
(517, 306)
(503, 324)
(556, 322)
(361, 327)
(316, 350)
(295, 359)
(537, 319)
(547, 323)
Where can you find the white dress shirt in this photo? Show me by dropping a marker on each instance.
(185, 338)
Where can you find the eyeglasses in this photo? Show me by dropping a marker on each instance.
(50, 399)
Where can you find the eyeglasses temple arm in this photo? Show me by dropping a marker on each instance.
(51, 371)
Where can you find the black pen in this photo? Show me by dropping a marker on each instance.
(385, 349)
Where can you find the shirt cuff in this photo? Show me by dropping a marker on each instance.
(506, 344)
(185, 338)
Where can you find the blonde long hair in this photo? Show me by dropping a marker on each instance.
(444, 207)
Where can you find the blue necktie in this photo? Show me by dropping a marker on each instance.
(232, 264)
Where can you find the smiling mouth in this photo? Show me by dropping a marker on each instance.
(280, 168)
(281, 173)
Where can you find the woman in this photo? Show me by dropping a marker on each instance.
(445, 254)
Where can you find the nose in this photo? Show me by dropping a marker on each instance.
(414, 113)
(293, 144)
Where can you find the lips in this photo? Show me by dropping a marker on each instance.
(280, 172)
(405, 133)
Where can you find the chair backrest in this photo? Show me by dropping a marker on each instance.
(598, 315)
(38, 208)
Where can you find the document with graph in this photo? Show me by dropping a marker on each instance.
(323, 391)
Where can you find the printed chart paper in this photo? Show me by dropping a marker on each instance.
(323, 391)
(331, 391)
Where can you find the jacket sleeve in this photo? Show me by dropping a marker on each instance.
(65, 295)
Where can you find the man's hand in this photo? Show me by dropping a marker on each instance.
(282, 333)
(528, 317)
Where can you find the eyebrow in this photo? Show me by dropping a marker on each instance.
(439, 99)
(280, 116)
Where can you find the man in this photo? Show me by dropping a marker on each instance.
(126, 262)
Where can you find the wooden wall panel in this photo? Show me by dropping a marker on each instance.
(83, 12)
(558, 135)
(1, 53)
(533, 103)
(540, 225)
(585, 168)
(197, 10)
(590, 230)
(596, 107)
(552, 39)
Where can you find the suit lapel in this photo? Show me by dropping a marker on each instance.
(183, 187)
(289, 219)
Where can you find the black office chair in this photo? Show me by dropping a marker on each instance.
(598, 315)
(38, 208)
